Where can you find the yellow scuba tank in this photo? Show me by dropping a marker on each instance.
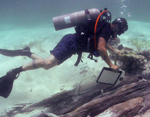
(76, 18)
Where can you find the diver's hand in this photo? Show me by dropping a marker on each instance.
(114, 52)
(114, 67)
(117, 53)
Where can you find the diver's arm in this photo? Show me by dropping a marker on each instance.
(108, 47)
(103, 52)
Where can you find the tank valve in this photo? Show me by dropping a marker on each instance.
(105, 9)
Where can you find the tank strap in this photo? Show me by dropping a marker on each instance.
(87, 12)
(105, 16)
(78, 32)
(96, 27)
(90, 56)
(78, 59)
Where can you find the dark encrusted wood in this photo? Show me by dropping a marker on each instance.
(92, 102)
(119, 95)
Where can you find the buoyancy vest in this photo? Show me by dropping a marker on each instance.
(87, 35)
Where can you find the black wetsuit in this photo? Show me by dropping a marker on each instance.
(69, 43)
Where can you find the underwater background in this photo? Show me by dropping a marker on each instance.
(29, 23)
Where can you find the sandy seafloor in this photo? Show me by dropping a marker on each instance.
(36, 85)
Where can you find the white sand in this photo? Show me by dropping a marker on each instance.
(33, 86)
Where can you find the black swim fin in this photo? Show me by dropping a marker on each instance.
(24, 52)
(6, 84)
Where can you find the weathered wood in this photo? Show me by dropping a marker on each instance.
(90, 101)
(146, 104)
(128, 108)
(146, 114)
(63, 102)
(67, 101)
(109, 99)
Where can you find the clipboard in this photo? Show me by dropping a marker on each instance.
(110, 77)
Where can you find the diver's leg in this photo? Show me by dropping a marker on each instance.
(34, 56)
(45, 63)
(63, 50)
(6, 82)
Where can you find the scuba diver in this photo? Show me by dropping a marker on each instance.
(91, 38)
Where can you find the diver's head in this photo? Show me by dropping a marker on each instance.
(119, 26)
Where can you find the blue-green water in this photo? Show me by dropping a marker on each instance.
(36, 12)
(29, 22)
